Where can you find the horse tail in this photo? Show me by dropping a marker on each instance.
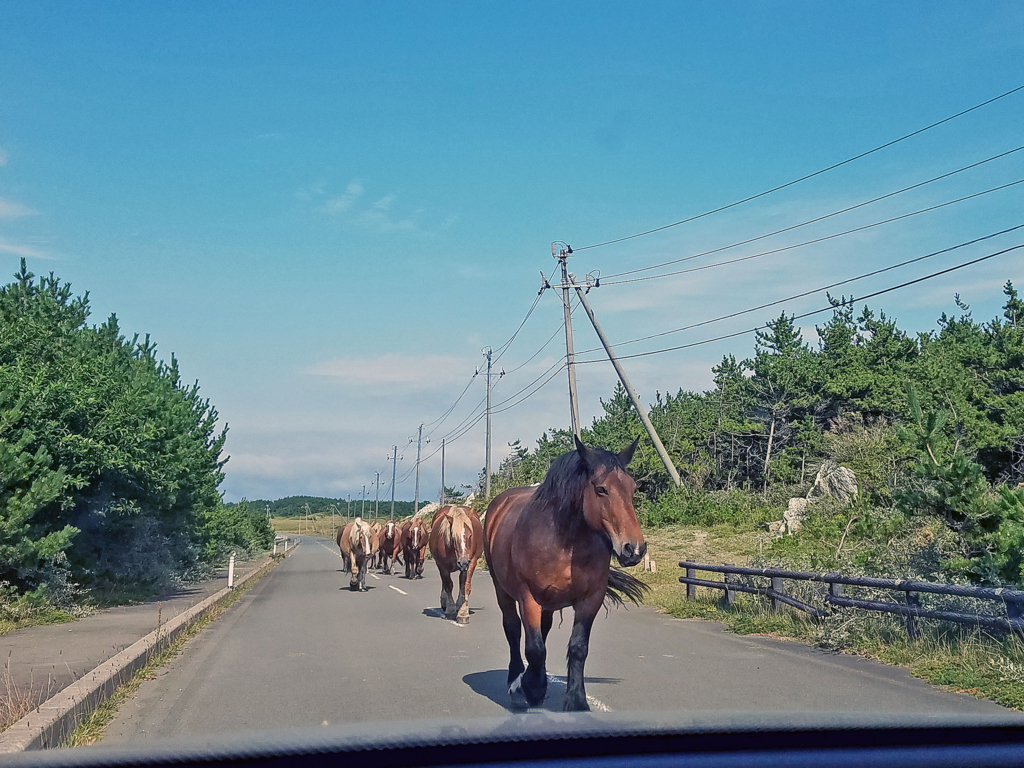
(622, 584)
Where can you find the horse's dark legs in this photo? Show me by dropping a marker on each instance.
(513, 633)
(447, 601)
(545, 624)
(535, 679)
(579, 647)
(419, 564)
(408, 565)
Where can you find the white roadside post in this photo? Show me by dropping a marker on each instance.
(231, 571)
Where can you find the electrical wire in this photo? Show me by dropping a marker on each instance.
(813, 312)
(807, 293)
(823, 239)
(806, 177)
(810, 221)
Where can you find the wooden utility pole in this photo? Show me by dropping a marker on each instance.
(487, 462)
(362, 508)
(441, 499)
(562, 251)
(376, 500)
(641, 411)
(394, 474)
(419, 445)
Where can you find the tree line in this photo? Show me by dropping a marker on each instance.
(109, 463)
(932, 423)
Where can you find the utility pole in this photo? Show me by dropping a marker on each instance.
(441, 500)
(376, 501)
(563, 251)
(487, 462)
(669, 466)
(394, 472)
(362, 508)
(419, 445)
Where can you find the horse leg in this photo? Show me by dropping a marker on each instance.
(447, 603)
(579, 647)
(465, 588)
(535, 679)
(545, 624)
(353, 578)
(513, 633)
(420, 560)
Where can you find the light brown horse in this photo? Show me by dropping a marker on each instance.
(456, 542)
(386, 544)
(549, 547)
(414, 542)
(354, 540)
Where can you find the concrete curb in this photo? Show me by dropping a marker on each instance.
(53, 721)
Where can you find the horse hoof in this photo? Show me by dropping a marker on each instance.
(463, 619)
(517, 695)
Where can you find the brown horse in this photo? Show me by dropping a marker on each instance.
(549, 547)
(386, 544)
(456, 542)
(354, 540)
(414, 542)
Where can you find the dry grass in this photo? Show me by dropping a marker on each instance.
(16, 700)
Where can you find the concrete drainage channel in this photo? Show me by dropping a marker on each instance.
(56, 718)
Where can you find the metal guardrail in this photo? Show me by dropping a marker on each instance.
(1013, 600)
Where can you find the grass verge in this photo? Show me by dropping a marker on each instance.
(92, 726)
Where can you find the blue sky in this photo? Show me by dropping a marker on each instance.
(326, 212)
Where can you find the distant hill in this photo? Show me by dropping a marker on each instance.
(295, 506)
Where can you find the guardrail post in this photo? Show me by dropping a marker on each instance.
(691, 589)
(836, 590)
(1013, 610)
(778, 589)
(730, 594)
(914, 602)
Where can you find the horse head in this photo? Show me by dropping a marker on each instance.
(461, 538)
(608, 501)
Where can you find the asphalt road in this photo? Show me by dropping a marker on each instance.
(300, 650)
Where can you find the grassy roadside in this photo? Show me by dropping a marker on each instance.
(91, 728)
(961, 659)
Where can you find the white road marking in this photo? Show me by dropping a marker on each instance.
(397, 589)
(375, 576)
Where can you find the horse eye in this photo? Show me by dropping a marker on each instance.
(601, 490)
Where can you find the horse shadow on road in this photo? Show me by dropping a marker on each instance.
(493, 685)
(437, 613)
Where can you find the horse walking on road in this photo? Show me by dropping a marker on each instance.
(456, 542)
(414, 542)
(356, 546)
(386, 545)
(549, 547)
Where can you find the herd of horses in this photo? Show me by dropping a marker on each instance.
(547, 547)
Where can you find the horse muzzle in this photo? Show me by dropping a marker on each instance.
(463, 565)
(629, 554)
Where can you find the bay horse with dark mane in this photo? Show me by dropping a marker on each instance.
(414, 542)
(456, 542)
(549, 547)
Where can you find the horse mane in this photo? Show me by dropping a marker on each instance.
(562, 487)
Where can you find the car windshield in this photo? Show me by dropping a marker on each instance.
(367, 365)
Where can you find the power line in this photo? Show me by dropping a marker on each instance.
(814, 220)
(813, 312)
(808, 293)
(808, 176)
(822, 239)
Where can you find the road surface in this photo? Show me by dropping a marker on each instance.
(299, 650)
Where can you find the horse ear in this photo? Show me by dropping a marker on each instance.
(627, 453)
(585, 453)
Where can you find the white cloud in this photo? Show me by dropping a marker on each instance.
(12, 210)
(22, 250)
(342, 203)
(409, 371)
